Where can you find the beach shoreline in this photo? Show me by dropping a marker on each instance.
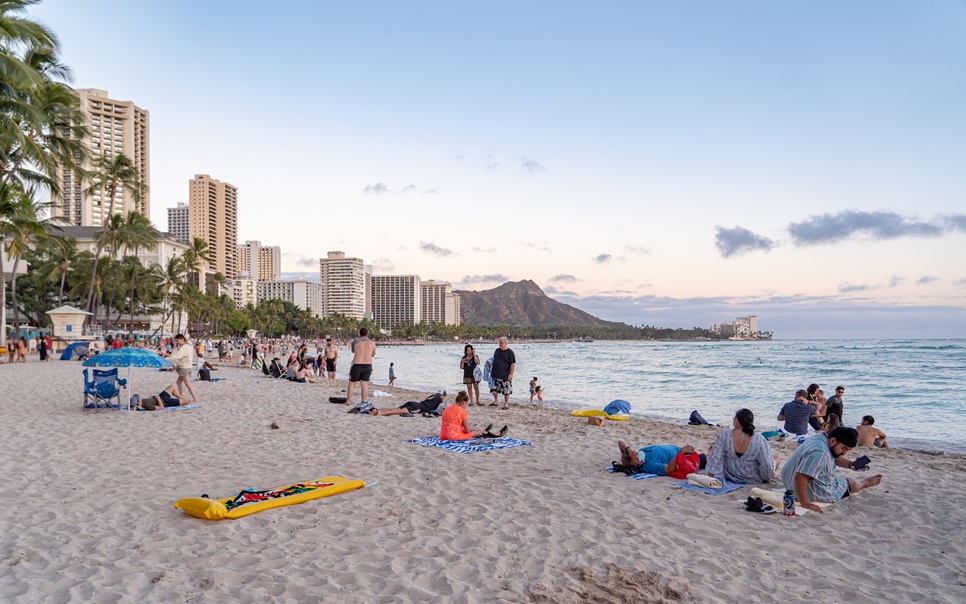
(88, 509)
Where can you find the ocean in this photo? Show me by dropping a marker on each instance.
(915, 389)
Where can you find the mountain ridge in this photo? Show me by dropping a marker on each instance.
(523, 304)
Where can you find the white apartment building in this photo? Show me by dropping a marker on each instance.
(243, 290)
(344, 283)
(395, 300)
(439, 303)
(179, 225)
(307, 295)
(746, 327)
(263, 263)
(116, 127)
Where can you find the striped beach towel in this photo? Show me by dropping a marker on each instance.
(471, 445)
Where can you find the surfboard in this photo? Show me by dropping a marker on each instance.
(252, 501)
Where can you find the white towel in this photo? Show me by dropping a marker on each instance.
(708, 482)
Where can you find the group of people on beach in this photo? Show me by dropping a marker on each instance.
(18, 349)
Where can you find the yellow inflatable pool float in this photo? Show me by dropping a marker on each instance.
(251, 501)
(617, 417)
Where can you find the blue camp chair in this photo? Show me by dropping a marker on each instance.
(104, 388)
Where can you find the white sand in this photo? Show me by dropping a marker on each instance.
(87, 509)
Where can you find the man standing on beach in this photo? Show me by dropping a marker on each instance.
(363, 350)
(331, 354)
(504, 364)
(834, 404)
(810, 471)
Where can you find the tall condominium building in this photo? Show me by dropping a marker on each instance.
(395, 299)
(213, 216)
(263, 263)
(746, 327)
(307, 295)
(344, 284)
(439, 303)
(243, 290)
(116, 127)
(178, 223)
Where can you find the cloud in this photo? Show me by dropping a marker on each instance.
(469, 280)
(435, 250)
(847, 287)
(637, 250)
(740, 240)
(831, 228)
(896, 281)
(377, 189)
(550, 289)
(955, 222)
(308, 276)
(531, 165)
(301, 260)
(602, 258)
(538, 246)
(485, 250)
(383, 264)
(926, 279)
(960, 282)
(563, 279)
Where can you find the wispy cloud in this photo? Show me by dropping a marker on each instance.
(383, 264)
(926, 280)
(960, 282)
(602, 258)
(955, 222)
(295, 275)
(477, 280)
(485, 250)
(435, 250)
(740, 240)
(381, 188)
(377, 189)
(896, 281)
(846, 288)
(301, 260)
(537, 246)
(563, 279)
(493, 161)
(831, 228)
(637, 250)
(531, 165)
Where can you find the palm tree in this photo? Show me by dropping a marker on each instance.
(110, 177)
(172, 275)
(137, 233)
(61, 253)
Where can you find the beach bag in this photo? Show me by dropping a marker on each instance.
(337, 400)
(204, 375)
(687, 463)
(696, 419)
(477, 374)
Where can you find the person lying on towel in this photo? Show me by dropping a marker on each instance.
(456, 422)
(663, 460)
(168, 398)
(427, 405)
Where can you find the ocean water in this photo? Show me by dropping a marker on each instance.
(915, 389)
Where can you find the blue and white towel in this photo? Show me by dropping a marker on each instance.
(179, 408)
(726, 487)
(634, 476)
(471, 445)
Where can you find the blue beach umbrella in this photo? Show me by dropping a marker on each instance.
(128, 357)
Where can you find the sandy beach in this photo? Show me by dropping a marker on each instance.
(87, 509)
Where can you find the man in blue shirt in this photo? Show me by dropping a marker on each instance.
(795, 413)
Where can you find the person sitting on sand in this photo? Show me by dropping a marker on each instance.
(301, 373)
(741, 455)
(796, 414)
(663, 460)
(167, 398)
(869, 436)
(831, 423)
(456, 422)
(427, 405)
(810, 471)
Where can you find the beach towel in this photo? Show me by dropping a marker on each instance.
(471, 445)
(617, 407)
(709, 485)
(214, 380)
(191, 406)
(634, 476)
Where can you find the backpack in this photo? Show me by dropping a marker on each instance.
(696, 419)
(477, 374)
(204, 375)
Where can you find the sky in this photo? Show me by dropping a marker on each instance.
(656, 163)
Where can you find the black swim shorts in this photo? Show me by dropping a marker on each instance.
(360, 373)
(169, 400)
(330, 364)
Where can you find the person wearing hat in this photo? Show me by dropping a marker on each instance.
(331, 354)
(810, 471)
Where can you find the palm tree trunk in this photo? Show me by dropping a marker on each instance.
(3, 292)
(100, 248)
(13, 297)
(63, 280)
(133, 273)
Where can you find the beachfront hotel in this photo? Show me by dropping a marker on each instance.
(261, 262)
(115, 127)
(396, 299)
(439, 303)
(307, 295)
(344, 283)
(179, 225)
(213, 217)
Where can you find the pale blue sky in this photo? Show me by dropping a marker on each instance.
(650, 162)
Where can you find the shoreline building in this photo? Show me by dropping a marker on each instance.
(213, 216)
(344, 282)
(742, 328)
(307, 295)
(116, 127)
(263, 263)
(439, 303)
(179, 222)
(395, 300)
(243, 290)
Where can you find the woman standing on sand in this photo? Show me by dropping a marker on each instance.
(22, 351)
(468, 364)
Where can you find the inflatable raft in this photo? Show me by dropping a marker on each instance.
(251, 501)
(617, 417)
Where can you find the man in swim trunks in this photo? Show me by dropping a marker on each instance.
(504, 364)
(869, 436)
(810, 471)
(663, 460)
(363, 350)
(168, 398)
(331, 354)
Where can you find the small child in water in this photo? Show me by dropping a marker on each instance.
(539, 394)
(392, 375)
(533, 388)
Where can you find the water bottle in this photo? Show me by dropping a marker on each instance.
(788, 503)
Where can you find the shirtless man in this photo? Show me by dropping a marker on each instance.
(331, 354)
(869, 436)
(363, 349)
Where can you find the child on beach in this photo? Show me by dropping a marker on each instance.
(456, 422)
(539, 394)
(533, 388)
(392, 374)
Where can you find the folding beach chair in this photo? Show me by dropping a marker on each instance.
(104, 388)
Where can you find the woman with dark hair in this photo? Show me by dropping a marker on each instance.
(468, 364)
(814, 392)
(741, 454)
